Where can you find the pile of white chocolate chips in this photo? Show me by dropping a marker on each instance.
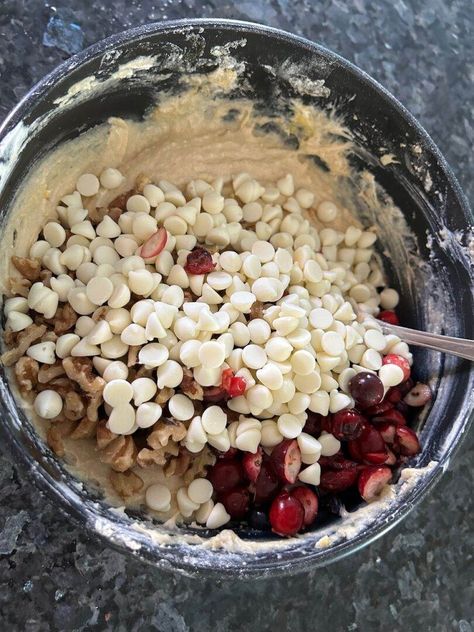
(177, 323)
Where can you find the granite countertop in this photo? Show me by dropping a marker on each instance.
(419, 577)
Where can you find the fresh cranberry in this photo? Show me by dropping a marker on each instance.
(337, 462)
(199, 261)
(394, 395)
(378, 409)
(389, 316)
(225, 475)
(418, 396)
(366, 389)
(372, 480)
(286, 514)
(234, 386)
(407, 441)
(316, 423)
(154, 244)
(347, 424)
(236, 501)
(391, 416)
(286, 460)
(230, 455)
(214, 394)
(391, 358)
(369, 447)
(387, 431)
(338, 480)
(252, 464)
(266, 485)
(308, 500)
(259, 520)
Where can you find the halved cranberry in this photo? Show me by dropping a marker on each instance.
(347, 424)
(372, 480)
(233, 386)
(394, 395)
(154, 244)
(391, 459)
(236, 501)
(252, 464)
(266, 485)
(369, 447)
(392, 416)
(407, 441)
(391, 358)
(418, 396)
(225, 475)
(316, 423)
(389, 316)
(338, 480)
(286, 514)
(366, 389)
(378, 409)
(199, 261)
(337, 462)
(309, 501)
(387, 431)
(286, 460)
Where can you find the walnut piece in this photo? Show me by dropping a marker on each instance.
(100, 313)
(164, 395)
(190, 387)
(45, 277)
(28, 268)
(19, 286)
(103, 435)
(256, 311)
(132, 357)
(178, 465)
(199, 465)
(57, 431)
(50, 372)
(126, 483)
(85, 430)
(157, 456)
(96, 215)
(80, 370)
(114, 213)
(120, 454)
(74, 407)
(23, 340)
(164, 430)
(121, 200)
(64, 320)
(26, 372)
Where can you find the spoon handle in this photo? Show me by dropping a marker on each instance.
(446, 344)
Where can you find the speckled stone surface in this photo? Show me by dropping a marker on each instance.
(418, 577)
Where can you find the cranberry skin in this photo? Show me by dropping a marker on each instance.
(391, 416)
(252, 464)
(392, 358)
(234, 386)
(366, 389)
(309, 501)
(373, 411)
(267, 484)
(337, 462)
(199, 261)
(225, 475)
(236, 501)
(286, 514)
(338, 480)
(286, 460)
(372, 480)
(389, 316)
(316, 423)
(347, 424)
(369, 447)
(407, 441)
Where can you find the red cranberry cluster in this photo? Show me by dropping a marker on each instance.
(375, 439)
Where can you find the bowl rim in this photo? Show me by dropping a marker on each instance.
(156, 554)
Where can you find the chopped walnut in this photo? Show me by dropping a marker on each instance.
(57, 431)
(19, 286)
(256, 311)
(80, 370)
(74, 407)
(157, 456)
(49, 336)
(61, 385)
(23, 340)
(100, 313)
(103, 435)
(28, 268)
(121, 200)
(85, 430)
(126, 483)
(96, 215)
(188, 296)
(178, 465)
(114, 213)
(26, 372)
(164, 395)
(45, 277)
(132, 357)
(50, 372)
(120, 454)
(143, 371)
(199, 465)
(190, 387)
(164, 430)
(141, 181)
(65, 319)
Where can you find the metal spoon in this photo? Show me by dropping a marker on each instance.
(446, 344)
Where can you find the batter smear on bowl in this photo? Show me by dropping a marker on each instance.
(211, 341)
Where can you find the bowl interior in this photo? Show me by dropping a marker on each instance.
(429, 267)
